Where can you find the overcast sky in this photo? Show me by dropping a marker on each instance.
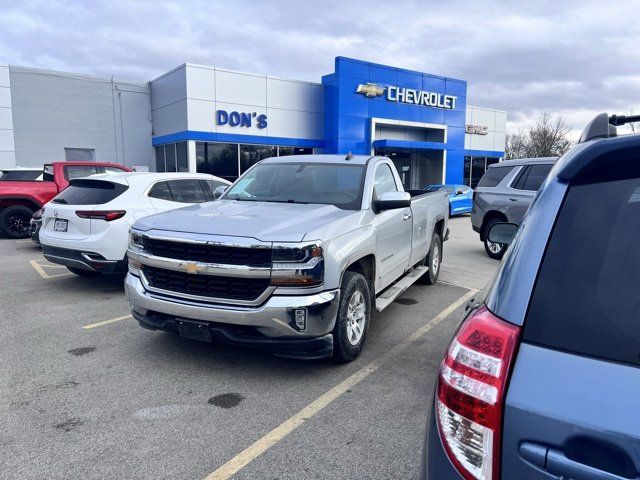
(573, 59)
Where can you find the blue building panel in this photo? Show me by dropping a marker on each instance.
(353, 106)
(432, 83)
(350, 67)
(409, 79)
(455, 166)
(384, 75)
(455, 136)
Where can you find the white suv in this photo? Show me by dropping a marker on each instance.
(86, 226)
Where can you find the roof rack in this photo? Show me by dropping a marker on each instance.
(604, 126)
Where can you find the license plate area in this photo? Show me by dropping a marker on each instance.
(60, 225)
(194, 330)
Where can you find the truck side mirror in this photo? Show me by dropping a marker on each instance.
(220, 189)
(392, 200)
(502, 232)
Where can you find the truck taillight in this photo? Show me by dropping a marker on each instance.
(470, 393)
(107, 215)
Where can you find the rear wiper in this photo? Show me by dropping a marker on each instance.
(59, 200)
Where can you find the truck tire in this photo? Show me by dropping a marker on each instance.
(494, 250)
(83, 273)
(14, 221)
(352, 322)
(433, 260)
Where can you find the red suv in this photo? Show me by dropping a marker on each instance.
(20, 199)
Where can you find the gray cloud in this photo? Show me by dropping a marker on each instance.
(571, 59)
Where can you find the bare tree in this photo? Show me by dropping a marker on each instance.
(515, 145)
(547, 138)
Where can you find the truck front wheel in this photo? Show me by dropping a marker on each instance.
(14, 221)
(352, 322)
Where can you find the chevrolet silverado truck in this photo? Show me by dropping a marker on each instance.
(19, 199)
(293, 258)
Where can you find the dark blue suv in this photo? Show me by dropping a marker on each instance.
(542, 379)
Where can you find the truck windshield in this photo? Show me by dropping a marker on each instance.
(320, 183)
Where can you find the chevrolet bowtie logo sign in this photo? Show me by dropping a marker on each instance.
(370, 90)
(192, 267)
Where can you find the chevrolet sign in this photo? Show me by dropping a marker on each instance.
(370, 90)
(408, 95)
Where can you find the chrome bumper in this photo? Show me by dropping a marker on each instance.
(273, 319)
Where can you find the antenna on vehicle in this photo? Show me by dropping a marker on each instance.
(349, 156)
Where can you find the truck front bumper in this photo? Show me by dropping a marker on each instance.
(268, 327)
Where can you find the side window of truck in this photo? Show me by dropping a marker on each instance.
(72, 172)
(383, 181)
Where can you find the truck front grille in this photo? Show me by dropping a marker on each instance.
(246, 289)
(201, 252)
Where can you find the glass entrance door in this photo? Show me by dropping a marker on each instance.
(417, 167)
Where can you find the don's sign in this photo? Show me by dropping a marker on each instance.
(241, 119)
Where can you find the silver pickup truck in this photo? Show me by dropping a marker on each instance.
(293, 258)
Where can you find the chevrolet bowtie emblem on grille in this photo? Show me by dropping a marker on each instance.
(370, 90)
(191, 267)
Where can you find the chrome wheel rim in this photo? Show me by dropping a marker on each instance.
(356, 317)
(494, 247)
(435, 260)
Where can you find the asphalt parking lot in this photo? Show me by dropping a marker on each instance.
(86, 393)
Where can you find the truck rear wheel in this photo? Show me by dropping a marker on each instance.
(14, 221)
(352, 322)
(433, 260)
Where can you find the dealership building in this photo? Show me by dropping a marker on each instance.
(215, 120)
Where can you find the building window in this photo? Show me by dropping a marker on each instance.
(219, 159)
(172, 157)
(474, 168)
(284, 151)
(182, 160)
(252, 154)
(80, 154)
(160, 165)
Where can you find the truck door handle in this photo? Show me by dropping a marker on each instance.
(556, 463)
(513, 199)
(406, 216)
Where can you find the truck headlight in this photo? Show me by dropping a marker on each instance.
(297, 265)
(136, 240)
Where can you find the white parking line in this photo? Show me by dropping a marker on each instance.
(106, 322)
(38, 267)
(245, 457)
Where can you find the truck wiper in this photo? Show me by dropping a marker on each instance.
(59, 200)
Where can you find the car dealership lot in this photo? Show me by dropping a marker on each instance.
(114, 400)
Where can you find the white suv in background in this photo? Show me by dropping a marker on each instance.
(86, 226)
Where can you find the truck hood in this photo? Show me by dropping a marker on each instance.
(265, 221)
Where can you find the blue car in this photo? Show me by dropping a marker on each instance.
(542, 379)
(460, 197)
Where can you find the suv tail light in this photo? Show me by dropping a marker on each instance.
(107, 215)
(470, 393)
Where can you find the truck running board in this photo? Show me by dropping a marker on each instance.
(394, 291)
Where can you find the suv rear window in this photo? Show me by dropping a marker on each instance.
(493, 176)
(90, 192)
(586, 296)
